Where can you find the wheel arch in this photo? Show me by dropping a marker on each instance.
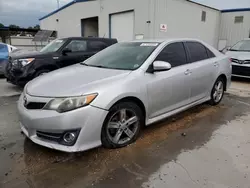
(135, 100)
(223, 76)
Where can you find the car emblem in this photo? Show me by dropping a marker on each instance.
(242, 61)
(25, 100)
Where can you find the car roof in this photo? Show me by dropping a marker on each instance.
(167, 40)
(88, 38)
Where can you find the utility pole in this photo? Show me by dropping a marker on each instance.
(58, 4)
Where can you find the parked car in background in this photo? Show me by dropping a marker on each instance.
(5, 50)
(240, 56)
(107, 99)
(60, 53)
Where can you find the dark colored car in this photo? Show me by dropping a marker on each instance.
(23, 67)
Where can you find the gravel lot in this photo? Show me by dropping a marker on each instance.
(213, 152)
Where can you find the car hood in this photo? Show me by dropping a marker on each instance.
(75, 80)
(21, 54)
(238, 55)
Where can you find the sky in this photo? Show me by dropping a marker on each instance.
(26, 13)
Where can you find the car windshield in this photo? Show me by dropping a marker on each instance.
(243, 45)
(53, 46)
(124, 56)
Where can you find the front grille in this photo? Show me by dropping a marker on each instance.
(55, 137)
(247, 62)
(35, 105)
(240, 61)
(240, 70)
(235, 60)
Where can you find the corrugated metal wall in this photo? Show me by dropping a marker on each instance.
(233, 32)
(183, 18)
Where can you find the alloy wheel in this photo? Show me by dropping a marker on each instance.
(218, 91)
(122, 126)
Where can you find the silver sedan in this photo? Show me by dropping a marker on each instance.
(107, 99)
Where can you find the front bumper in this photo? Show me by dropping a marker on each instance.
(241, 70)
(88, 119)
(18, 75)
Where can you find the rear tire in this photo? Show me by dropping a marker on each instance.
(217, 92)
(122, 125)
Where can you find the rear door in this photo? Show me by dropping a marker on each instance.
(169, 90)
(203, 67)
(78, 52)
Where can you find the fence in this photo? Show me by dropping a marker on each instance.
(26, 43)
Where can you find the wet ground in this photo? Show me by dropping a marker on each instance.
(203, 147)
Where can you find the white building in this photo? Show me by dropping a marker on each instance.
(235, 26)
(136, 19)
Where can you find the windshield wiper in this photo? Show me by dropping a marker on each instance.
(99, 66)
(84, 64)
(233, 50)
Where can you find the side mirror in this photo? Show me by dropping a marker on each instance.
(66, 50)
(159, 66)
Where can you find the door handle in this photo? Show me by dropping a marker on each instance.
(187, 72)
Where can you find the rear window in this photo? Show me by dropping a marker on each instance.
(3, 51)
(3, 48)
(97, 45)
(197, 51)
(209, 53)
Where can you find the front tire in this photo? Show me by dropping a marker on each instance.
(122, 125)
(217, 92)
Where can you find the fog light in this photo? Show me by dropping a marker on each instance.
(69, 137)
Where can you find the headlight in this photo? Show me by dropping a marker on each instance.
(67, 104)
(25, 62)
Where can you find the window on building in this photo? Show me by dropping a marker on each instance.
(238, 19)
(77, 46)
(197, 51)
(203, 16)
(174, 54)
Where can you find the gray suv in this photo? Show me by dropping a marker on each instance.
(107, 99)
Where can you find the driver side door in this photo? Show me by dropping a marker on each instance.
(78, 52)
(169, 90)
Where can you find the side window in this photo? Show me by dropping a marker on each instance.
(3, 48)
(209, 53)
(97, 45)
(77, 46)
(197, 51)
(174, 54)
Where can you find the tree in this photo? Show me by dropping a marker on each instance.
(30, 27)
(37, 27)
(13, 26)
(1, 25)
